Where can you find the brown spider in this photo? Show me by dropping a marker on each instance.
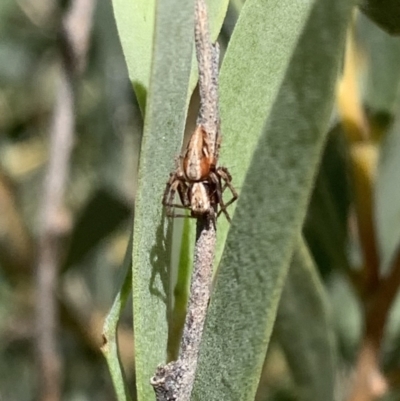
(198, 181)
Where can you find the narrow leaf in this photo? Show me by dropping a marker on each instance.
(296, 95)
(385, 13)
(163, 130)
(100, 216)
(387, 197)
(216, 11)
(329, 207)
(135, 22)
(305, 329)
(181, 290)
(382, 75)
(110, 345)
(252, 72)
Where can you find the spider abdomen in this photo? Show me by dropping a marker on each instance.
(199, 199)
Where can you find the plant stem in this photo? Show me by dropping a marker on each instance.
(376, 293)
(208, 60)
(199, 296)
(174, 381)
(369, 382)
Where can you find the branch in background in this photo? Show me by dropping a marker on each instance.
(363, 165)
(175, 380)
(369, 383)
(376, 293)
(16, 259)
(74, 33)
(348, 99)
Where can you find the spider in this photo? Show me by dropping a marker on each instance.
(198, 181)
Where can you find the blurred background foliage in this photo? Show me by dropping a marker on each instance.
(101, 190)
(99, 195)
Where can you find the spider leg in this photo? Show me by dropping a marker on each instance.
(175, 185)
(217, 144)
(184, 216)
(216, 180)
(170, 189)
(171, 211)
(169, 196)
(224, 174)
(183, 192)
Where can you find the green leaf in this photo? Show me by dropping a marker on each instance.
(347, 315)
(110, 346)
(102, 214)
(305, 329)
(281, 65)
(135, 22)
(382, 75)
(181, 290)
(216, 14)
(385, 13)
(163, 131)
(387, 197)
(329, 207)
(252, 72)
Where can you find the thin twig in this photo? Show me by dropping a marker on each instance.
(381, 303)
(363, 168)
(370, 383)
(208, 60)
(376, 293)
(17, 258)
(74, 35)
(174, 381)
(199, 296)
(357, 130)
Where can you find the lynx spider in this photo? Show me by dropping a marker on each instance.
(198, 180)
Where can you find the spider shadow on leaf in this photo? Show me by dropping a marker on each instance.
(160, 260)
